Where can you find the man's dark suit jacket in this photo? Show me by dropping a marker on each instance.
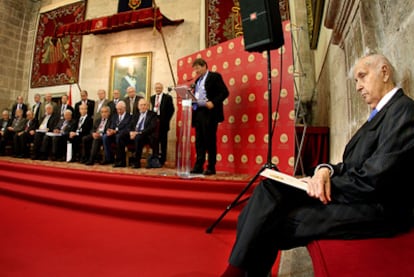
(150, 124)
(33, 125)
(127, 103)
(371, 192)
(91, 107)
(379, 159)
(86, 126)
(24, 108)
(112, 106)
(68, 107)
(123, 126)
(39, 112)
(71, 125)
(96, 124)
(217, 92)
(166, 110)
(52, 122)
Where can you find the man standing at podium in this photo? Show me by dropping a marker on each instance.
(210, 91)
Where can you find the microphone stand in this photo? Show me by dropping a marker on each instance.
(268, 163)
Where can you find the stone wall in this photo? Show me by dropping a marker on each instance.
(16, 16)
(359, 27)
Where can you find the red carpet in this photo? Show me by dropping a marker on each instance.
(65, 222)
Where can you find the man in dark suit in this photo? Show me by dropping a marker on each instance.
(18, 124)
(162, 105)
(60, 137)
(86, 101)
(5, 122)
(47, 123)
(22, 139)
(93, 141)
(64, 105)
(143, 130)
(82, 128)
(19, 105)
(116, 133)
(367, 195)
(131, 101)
(116, 97)
(210, 91)
(38, 108)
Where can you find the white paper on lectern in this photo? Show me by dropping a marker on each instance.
(284, 178)
(185, 93)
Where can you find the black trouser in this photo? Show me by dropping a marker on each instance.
(279, 217)
(90, 148)
(163, 141)
(206, 141)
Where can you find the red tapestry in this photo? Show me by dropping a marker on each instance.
(56, 60)
(224, 19)
(242, 139)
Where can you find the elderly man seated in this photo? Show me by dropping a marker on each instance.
(143, 130)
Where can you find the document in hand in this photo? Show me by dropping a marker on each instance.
(284, 178)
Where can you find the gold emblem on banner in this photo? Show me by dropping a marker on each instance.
(134, 4)
(232, 26)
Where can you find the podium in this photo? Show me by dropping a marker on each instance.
(184, 140)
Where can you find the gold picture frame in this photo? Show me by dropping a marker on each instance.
(131, 70)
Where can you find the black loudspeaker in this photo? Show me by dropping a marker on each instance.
(262, 25)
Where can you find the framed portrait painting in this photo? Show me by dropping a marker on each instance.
(131, 70)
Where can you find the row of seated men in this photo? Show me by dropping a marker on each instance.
(51, 135)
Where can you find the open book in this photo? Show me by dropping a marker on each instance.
(284, 178)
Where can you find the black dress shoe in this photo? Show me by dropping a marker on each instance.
(196, 171)
(136, 165)
(119, 165)
(106, 162)
(89, 163)
(209, 172)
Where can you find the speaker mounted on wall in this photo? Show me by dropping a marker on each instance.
(262, 25)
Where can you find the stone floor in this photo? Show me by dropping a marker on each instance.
(295, 263)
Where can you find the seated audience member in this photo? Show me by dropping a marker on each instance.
(5, 122)
(19, 105)
(143, 130)
(93, 141)
(22, 139)
(116, 133)
(47, 123)
(60, 136)
(17, 125)
(82, 128)
(367, 195)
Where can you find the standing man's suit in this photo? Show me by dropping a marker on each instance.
(164, 113)
(91, 107)
(206, 121)
(371, 195)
